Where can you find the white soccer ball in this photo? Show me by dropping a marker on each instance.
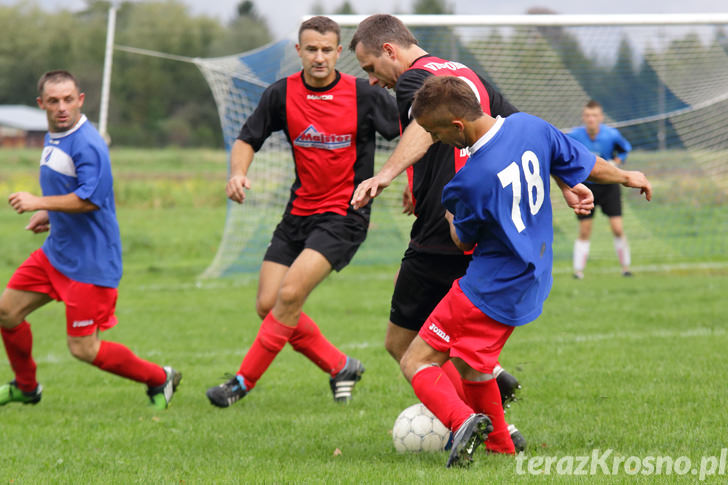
(417, 429)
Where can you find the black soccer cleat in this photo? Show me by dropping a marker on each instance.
(507, 385)
(519, 442)
(343, 383)
(468, 437)
(227, 393)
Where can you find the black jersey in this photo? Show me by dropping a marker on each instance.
(332, 133)
(430, 231)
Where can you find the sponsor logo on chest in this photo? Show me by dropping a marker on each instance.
(323, 97)
(312, 138)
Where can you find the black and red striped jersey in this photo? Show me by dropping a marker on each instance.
(430, 231)
(332, 133)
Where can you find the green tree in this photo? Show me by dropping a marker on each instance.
(246, 32)
(345, 9)
(432, 7)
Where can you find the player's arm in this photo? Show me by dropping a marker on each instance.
(411, 148)
(578, 197)
(241, 156)
(454, 234)
(606, 173)
(70, 203)
(268, 116)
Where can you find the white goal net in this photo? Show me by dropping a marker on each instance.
(662, 79)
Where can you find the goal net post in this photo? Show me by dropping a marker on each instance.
(662, 80)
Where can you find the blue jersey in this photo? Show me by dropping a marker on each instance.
(501, 202)
(85, 247)
(609, 142)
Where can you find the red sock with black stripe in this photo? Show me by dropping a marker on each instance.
(19, 345)
(485, 398)
(272, 337)
(435, 390)
(308, 340)
(118, 359)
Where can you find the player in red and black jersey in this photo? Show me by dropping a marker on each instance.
(331, 120)
(388, 52)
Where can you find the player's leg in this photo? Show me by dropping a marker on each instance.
(269, 282)
(612, 208)
(422, 366)
(15, 306)
(581, 245)
(90, 309)
(621, 246)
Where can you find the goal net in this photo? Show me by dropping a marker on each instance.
(662, 79)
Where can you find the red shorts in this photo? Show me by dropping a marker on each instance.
(88, 307)
(459, 328)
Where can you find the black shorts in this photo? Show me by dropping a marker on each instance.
(424, 279)
(608, 197)
(335, 236)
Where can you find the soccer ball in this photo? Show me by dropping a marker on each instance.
(417, 429)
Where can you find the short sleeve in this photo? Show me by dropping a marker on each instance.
(383, 112)
(571, 161)
(268, 116)
(93, 172)
(407, 85)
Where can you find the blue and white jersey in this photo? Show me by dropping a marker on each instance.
(608, 143)
(501, 202)
(85, 247)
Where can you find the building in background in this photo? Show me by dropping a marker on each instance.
(22, 126)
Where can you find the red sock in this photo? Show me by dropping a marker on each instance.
(118, 359)
(272, 337)
(308, 340)
(455, 377)
(485, 398)
(437, 393)
(18, 345)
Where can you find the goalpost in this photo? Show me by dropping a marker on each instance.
(662, 79)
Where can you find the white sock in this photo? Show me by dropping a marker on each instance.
(622, 249)
(581, 254)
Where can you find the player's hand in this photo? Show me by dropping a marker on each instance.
(368, 190)
(579, 198)
(39, 222)
(637, 180)
(236, 187)
(408, 204)
(23, 202)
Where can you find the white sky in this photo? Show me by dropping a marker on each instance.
(283, 16)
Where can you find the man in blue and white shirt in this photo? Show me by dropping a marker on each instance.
(80, 261)
(608, 143)
(498, 204)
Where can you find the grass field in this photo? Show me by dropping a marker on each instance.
(635, 365)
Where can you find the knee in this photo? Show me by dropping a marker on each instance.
(290, 296)
(6, 318)
(263, 307)
(408, 366)
(84, 349)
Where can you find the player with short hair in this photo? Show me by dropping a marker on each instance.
(330, 119)
(388, 52)
(80, 260)
(499, 204)
(608, 143)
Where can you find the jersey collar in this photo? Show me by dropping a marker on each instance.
(487, 136)
(78, 125)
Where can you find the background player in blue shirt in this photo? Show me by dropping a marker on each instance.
(80, 261)
(608, 143)
(499, 204)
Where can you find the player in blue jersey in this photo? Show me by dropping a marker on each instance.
(608, 143)
(80, 260)
(499, 204)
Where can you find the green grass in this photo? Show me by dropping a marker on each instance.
(633, 365)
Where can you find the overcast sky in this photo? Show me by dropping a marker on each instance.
(283, 16)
